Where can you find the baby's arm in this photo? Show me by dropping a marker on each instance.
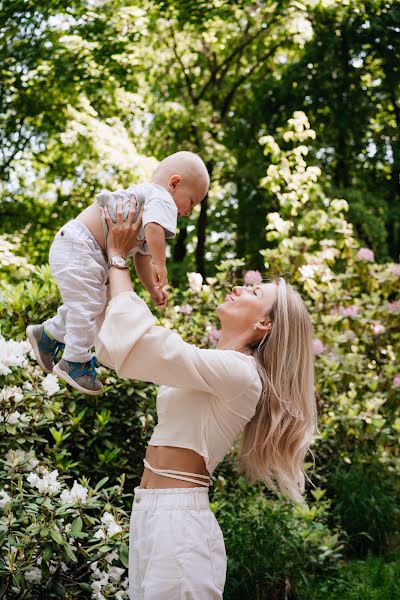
(155, 239)
(145, 272)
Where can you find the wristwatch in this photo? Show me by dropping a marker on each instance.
(118, 261)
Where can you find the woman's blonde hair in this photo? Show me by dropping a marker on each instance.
(279, 435)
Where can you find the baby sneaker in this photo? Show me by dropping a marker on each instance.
(46, 349)
(81, 376)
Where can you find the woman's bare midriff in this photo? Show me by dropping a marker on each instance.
(177, 459)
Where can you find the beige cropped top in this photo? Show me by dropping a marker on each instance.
(206, 396)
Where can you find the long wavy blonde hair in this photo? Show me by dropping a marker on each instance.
(279, 435)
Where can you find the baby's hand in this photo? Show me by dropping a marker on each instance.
(159, 297)
(160, 275)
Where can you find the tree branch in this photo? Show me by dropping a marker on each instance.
(189, 84)
(231, 94)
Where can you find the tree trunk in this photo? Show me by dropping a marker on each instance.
(179, 252)
(341, 174)
(201, 238)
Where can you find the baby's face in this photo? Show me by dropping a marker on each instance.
(186, 197)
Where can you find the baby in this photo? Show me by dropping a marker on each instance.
(78, 261)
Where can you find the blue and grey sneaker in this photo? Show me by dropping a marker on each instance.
(46, 349)
(82, 376)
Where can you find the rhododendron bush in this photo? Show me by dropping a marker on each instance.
(355, 308)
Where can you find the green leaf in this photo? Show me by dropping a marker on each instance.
(44, 532)
(57, 537)
(70, 553)
(124, 555)
(76, 526)
(48, 552)
(101, 483)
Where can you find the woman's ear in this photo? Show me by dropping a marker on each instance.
(264, 326)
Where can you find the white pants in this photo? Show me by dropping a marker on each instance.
(81, 271)
(176, 547)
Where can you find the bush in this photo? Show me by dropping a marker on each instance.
(374, 579)
(273, 547)
(365, 502)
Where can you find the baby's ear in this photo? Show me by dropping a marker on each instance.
(174, 180)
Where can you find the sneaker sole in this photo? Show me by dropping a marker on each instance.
(65, 377)
(35, 348)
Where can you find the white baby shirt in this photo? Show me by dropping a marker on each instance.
(206, 397)
(159, 207)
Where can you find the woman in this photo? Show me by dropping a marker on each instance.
(258, 380)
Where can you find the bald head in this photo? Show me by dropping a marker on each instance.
(189, 167)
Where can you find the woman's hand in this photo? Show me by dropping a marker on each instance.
(122, 235)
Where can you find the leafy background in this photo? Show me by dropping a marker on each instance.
(294, 106)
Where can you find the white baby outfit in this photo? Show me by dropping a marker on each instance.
(81, 270)
(204, 402)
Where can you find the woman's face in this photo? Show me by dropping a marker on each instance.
(245, 306)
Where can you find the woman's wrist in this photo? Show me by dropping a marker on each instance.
(120, 281)
(115, 252)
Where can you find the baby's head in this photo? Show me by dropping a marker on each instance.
(185, 176)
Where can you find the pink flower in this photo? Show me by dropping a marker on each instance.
(365, 255)
(396, 380)
(393, 306)
(185, 309)
(252, 278)
(377, 328)
(318, 347)
(396, 269)
(214, 336)
(348, 311)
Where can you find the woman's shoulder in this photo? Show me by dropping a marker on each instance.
(239, 371)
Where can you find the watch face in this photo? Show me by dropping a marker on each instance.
(119, 261)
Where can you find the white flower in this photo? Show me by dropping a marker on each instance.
(121, 595)
(48, 484)
(50, 384)
(77, 494)
(113, 528)
(115, 573)
(17, 418)
(195, 281)
(4, 498)
(34, 575)
(9, 392)
(100, 534)
(19, 458)
(275, 222)
(112, 556)
(12, 354)
(308, 271)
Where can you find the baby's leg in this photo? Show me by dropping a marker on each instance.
(57, 324)
(81, 271)
(83, 292)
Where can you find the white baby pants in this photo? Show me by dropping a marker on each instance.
(81, 271)
(176, 547)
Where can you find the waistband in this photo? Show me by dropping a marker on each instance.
(172, 498)
(84, 231)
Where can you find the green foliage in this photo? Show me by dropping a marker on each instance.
(354, 305)
(374, 579)
(273, 547)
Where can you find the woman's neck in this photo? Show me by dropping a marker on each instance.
(230, 340)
